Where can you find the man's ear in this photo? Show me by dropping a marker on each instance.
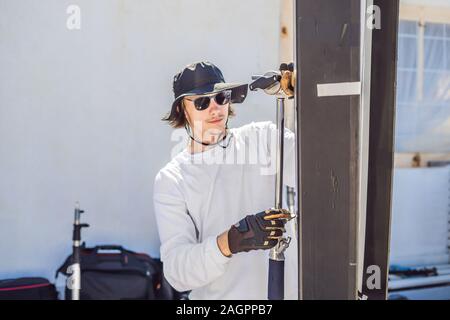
(184, 110)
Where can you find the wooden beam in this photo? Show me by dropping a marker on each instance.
(381, 154)
(328, 51)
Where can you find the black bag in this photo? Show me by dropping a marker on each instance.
(27, 289)
(115, 276)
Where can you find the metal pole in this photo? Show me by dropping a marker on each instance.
(276, 254)
(280, 152)
(273, 83)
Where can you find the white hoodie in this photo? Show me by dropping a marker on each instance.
(198, 196)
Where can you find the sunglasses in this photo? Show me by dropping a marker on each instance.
(221, 98)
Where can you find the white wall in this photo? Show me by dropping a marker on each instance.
(80, 112)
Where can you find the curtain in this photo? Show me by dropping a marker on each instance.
(423, 106)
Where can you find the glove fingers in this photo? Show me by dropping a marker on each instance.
(270, 243)
(266, 243)
(271, 214)
(274, 234)
(271, 224)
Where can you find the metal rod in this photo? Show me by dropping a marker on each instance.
(276, 254)
(280, 152)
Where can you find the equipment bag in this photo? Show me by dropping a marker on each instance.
(27, 289)
(117, 275)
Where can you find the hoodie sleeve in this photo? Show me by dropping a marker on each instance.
(187, 263)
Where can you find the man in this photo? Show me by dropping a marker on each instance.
(212, 202)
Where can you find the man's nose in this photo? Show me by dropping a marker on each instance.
(213, 105)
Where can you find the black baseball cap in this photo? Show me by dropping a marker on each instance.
(204, 78)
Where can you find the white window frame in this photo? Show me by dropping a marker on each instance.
(423, 15)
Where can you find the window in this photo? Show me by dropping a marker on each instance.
(423, 87)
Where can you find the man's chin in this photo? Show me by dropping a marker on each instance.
(216, 128)
(217, 131)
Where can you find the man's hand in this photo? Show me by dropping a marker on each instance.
(258, 231)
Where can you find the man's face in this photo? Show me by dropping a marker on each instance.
(210, 121)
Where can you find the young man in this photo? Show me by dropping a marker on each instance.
(213, 200)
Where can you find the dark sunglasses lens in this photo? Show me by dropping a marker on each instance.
(202, 103)
(223, 97)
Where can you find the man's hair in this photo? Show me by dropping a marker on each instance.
(177, 119)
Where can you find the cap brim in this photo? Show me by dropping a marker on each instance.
(238, 92)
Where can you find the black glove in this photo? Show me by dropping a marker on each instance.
(258, 231)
